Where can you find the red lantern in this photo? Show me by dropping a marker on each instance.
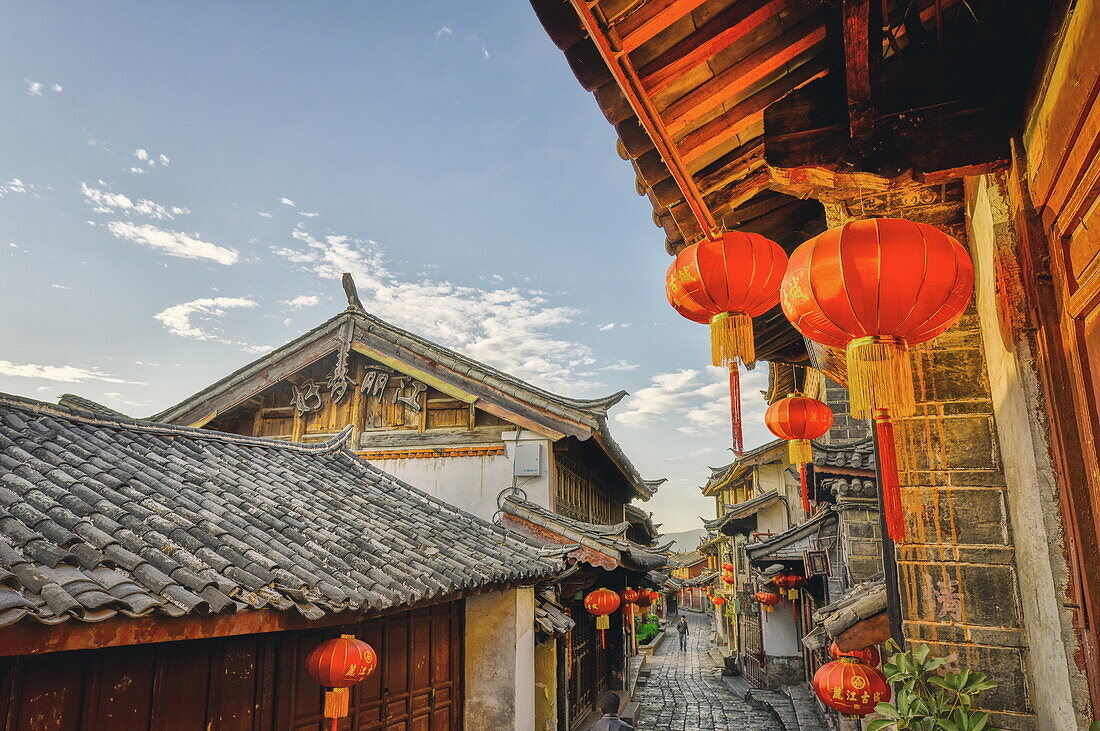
(338, 664)
(728, 579)
(849, 686)
(868, 655)
(628, 596)
(601, 603)
(727, 567)
(799, 419)
(728, 281)
(644, 599)
(718, 601)
(767, 599)
(876, 287)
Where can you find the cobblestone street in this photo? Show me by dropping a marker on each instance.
(686, 691)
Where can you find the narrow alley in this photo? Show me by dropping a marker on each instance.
(686, 690)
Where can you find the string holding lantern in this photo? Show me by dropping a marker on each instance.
(798, 419)
(850, 686)
(338, 664)
(727, 281)
(869, 655)
(875, 288)
(602, 602)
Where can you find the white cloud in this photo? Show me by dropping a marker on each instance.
(141, 154)
(288, 202)
(172, 243)
(308, 214)
(60, 286)
(34, 88)
(65, 374)
(15, 185)
(57, 87)
(444, 31)
(149, 159)
(139, 171)
(477, 41)
(510, 328)
(104, 201)
(265, 214)
(163, 160)
(613, 325)
(302, 300)
(196, 319)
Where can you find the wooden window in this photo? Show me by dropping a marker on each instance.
(580, 494)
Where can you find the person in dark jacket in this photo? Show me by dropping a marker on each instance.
(610, 720)
(682, 628)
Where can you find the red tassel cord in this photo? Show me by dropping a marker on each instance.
(805, 490)
(888, 468)
(735, 408)
(603, 640)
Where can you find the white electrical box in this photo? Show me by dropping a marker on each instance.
(527, 461)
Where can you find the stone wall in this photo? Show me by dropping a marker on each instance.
(500, 660)
(958, 580)
(845, 428)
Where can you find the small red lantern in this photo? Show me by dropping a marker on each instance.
(868, 655)
(629, 596)
(851, 687)
(718, 601)
(767, 599)
(728, 281)
(727, 567)
(788, 584)
(728, 579)
(601, 603)
(799, 419)
(875, 288)
(644, 599)
(338, 664)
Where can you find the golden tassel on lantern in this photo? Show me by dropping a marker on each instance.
(731, 338)
(336, 703)
(800, 451)
(880, 376)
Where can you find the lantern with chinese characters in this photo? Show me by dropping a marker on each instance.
(868, 655)
(727, 281)
(718, 600)
(628, 596)
(799, 419)
(875, 288)
(766, 599)
(601, 603)
(851, 687)
(338, 664)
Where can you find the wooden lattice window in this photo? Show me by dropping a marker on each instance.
(581, 494)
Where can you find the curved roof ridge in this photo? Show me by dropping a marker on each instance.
(33, 406)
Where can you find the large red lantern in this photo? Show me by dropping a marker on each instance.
(874, 288)
(628, 596)
(767, 599)
(601, 603)
(868, 655)
(644, 599)
(851, 687)
(799, 419)
(338, 664)
(718, 601)
(727, 281)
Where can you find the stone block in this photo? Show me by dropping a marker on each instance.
(955, 516)
(964, 594)
(1005, 665)
(955, 375)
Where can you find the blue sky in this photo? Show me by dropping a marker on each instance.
(181, 183)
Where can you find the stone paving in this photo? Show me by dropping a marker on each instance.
(686, 691)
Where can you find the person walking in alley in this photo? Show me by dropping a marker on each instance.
(682, 628)
(610, 720)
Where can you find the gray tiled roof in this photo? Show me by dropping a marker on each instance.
(103, 516)
(775, 546)
(743, 509)
(609, 539)
(856, 455)
(550, 618)
(589, 414)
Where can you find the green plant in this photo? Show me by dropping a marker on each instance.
(928, 697)
(647, 632)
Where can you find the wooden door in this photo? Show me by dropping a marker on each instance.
(752, 647)
(1059, 176)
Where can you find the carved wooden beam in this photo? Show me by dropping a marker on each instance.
(857, 70)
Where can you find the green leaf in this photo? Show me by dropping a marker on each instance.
(948, 725)
(979, 720)
(881, 723)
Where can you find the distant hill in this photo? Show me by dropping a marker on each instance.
(685, 540)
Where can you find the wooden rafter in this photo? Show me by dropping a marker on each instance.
(650, 19)
(728, 26)
(857, 69)
(749, 112)
(738, 78)
(627, 78)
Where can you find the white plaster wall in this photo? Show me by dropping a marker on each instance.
(1032, 492)
(500, 660)
(473, 483)
(779, 632)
